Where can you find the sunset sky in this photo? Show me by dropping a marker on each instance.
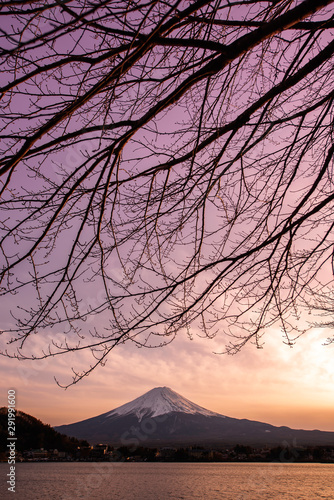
(277, 384)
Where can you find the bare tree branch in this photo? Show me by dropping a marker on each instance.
(164, 168)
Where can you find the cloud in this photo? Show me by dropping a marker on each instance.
(276, 384)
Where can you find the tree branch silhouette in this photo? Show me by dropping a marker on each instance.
(164, 168)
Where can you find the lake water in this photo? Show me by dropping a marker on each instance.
(170, 481)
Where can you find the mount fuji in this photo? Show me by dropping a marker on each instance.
(161, 401)
(163, 417)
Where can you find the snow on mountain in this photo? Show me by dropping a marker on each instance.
(160, 401)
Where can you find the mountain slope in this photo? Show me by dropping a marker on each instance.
(32, 433)
(162, 417)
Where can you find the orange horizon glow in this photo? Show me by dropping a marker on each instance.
(276, 385)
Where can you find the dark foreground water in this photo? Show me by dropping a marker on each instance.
(170, 481)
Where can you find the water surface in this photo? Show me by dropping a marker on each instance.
(170, 481)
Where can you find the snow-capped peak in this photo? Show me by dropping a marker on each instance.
(160, 401)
